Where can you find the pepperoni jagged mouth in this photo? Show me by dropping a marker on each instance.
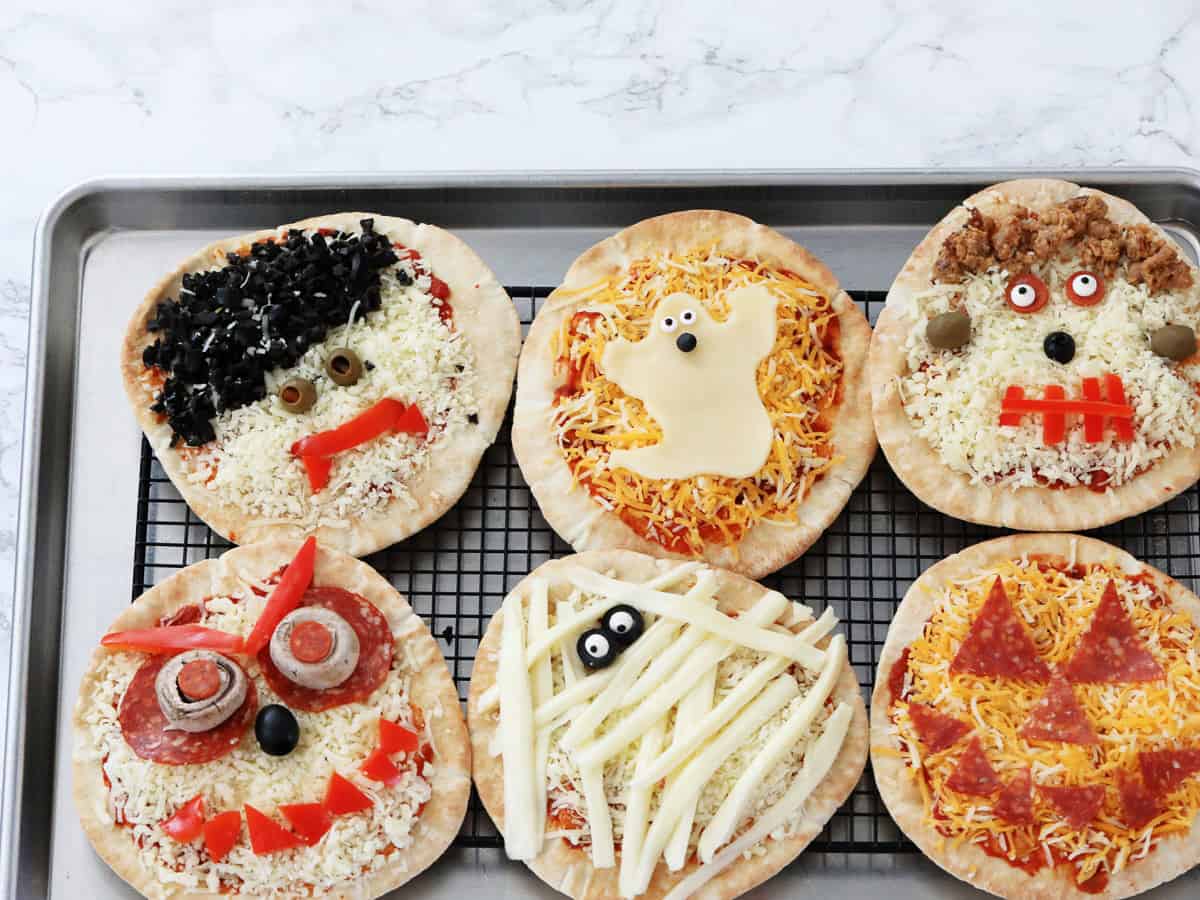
(316, 452)
(1055, 406)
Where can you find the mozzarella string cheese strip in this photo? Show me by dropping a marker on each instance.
(543, 690)
(637, 812)
(673, 606)
(730, 811)
(604, 855)
(694, 707)
(817, 764)
(522, 837)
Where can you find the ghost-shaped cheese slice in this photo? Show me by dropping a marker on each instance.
(697, 379)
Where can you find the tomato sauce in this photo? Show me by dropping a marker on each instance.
(896, 676)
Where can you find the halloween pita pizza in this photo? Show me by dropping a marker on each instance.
(695, 389)
(1035, 366)
(1035, 724)
(277, 722)
(341, 376)
(646, 727)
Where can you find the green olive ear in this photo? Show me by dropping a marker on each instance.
(1173, 342)
(949, 331)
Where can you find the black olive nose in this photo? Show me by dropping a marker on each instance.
(686, 342)
(1059, 346)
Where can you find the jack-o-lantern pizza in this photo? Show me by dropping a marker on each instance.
(276, 722)
(1035, 366)
(695, 388)
(1035, 725)
(341, 377)
(644, 727)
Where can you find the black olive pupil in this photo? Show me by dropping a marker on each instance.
(1059, 346)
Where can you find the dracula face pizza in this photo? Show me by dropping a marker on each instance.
(1035, 365)
(340, 377)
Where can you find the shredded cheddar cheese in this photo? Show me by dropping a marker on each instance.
(1056, 604)
(798, 381)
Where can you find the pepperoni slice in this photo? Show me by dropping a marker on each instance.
(1078, 805)
(189, 614)
(1059, 717)
(998, 643)
(1165, 770)
(199, 679)
(1015, 803)
(936, 730)
(1111, 651)
(374, 654)
(311, 641)
(146, 730)
(1138, 802)
(974, 775)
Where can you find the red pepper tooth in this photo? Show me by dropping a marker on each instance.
(1054, 423)
(1115, 391)
(1093, 424)
(1011, 395)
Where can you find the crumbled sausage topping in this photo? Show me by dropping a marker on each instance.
(1023, 238)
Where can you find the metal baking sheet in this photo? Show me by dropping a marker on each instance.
(101, 245)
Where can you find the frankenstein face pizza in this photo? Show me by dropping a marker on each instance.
(1035, 364)
(339, 377)
(276, 722)
(695, 389)
(644, 727)
(1035, 725)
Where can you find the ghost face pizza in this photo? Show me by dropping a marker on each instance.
(1035, 724)
(1035, 364)
(653, 728)
(341, 377)
(695, 388)
(276, 722)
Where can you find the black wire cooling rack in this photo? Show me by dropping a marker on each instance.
(456, 572)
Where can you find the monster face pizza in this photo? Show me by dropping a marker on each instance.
(654, 728)
(695, 389)
(339, 377)
(1035, 366)
(277, 722)
(1035, 725)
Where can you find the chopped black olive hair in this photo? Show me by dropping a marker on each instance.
(260, 311)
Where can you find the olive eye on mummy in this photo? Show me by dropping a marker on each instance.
(315, 647)
(668, 324)
(199, 689)
(596, 648)
(624, 624)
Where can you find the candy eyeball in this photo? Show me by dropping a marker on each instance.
(687, 317)
(596, 648)
(624, 624)
(668, 324)
(1027, 293)
(1085, 289)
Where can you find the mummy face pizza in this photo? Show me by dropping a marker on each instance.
(1035, 365)
(646, 727)
(695, 388)
(275, 722)
(340, 377)
(1034, 721)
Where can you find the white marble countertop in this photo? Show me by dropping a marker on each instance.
(161, 86)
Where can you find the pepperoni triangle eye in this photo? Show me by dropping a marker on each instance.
(1026, 293)
(1085, 288)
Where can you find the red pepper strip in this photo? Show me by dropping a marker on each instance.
(395, 738)
(1054, 423)
(188, 821)
(170, 638)
(1093, 425)
(378, 767)
(1057, 404)
(438, 288)
(317, 469)
(1012, 395)
(284, 598)
(309, 820)
(221, 833)
(267, 835)
(342, 797)
(385, 416)
(1116, 394)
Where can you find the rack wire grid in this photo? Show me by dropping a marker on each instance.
(456, 572)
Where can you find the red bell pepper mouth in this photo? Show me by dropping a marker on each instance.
(1055, 406)
(386, 416)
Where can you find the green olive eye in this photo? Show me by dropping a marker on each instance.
(297, 395)
(343, 366)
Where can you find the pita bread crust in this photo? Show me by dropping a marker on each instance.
(483, 314)
(430, 687)
(569, 869)
(917, 463)
(569, 508)
(1170, 858)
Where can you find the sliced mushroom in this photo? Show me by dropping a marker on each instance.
(309, 629)
(195, 714)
